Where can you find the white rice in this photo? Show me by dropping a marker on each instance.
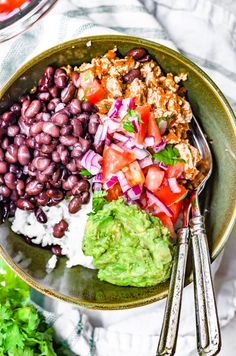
(26, 223)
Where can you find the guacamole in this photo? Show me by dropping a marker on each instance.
(128, 246)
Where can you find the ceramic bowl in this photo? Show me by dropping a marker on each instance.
(80, 285)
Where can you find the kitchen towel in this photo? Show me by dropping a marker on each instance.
(202, 31)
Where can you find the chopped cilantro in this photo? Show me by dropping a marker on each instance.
(85, 172)
(128, 126)
(87, 75)
(169, 156)
(134, 113)
(98, 201)
(85, 99)
(164, 118)
(23, 330)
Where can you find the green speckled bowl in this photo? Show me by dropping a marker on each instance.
(81, 285)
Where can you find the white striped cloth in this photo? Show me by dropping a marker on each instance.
(205, 33)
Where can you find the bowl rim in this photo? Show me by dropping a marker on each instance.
(231, 219)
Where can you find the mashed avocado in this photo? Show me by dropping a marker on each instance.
(128, 246)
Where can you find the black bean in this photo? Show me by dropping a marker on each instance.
(131, 75)
(136, 53)
(40, 216)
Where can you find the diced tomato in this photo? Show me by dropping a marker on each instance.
(10, 5)
(153, 129)
(144, 113)
(134, 174)
(94, 91)
(114, 161)
(154, 178)
(176, 170)
(166, 221)
(114, 193)
(165, 194)
(176, 209)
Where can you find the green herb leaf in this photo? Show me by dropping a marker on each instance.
(134, 113)
(164, 118)
(87, 75)
(128, 126)
(85, 172)
(98, 201)
(169, 156)
(23, 331)
(85, 99)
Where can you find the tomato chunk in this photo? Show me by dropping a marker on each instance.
(154, 178)
(114, 161)
(94, 91)
(166, 221)
(114, 192)
(165, 194)
(153, 129)
(10, 5)
(144, 113)
(134, 174)
(176, 170)
(176, 209)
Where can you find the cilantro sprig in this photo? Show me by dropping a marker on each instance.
(169, 156)
(99, 201)
(23, 331)
(128, 126)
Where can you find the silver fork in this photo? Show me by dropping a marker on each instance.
(207, 322)
(208, 331)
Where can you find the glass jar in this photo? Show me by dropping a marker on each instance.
(20, 19)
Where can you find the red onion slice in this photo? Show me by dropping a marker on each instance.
(140, 154)
(174, 187)
(160, 146)
(163, 166)
(135, 192)
(160, 207)
(98, 135)
(119, 137)
(110, 182)
(98, 178)
(145, 162)
(114, 110)
(90, 161)
(104, 131)
(123, 181)
(149, 141)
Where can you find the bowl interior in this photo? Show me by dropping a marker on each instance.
(79, 284)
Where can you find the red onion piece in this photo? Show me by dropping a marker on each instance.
(98, 178)
(149, 141)
(126, 104)
(135, 192)
(174, 187)
(104, 131)
(135, 124)
(123, 181)
(163, 166)
(98, 135)
(90, 161)
(110, 182)
(113, 125)
(160, 207)
(160, 146)
(114, 110)
(119, 137)
(145, 162)
(139, 153)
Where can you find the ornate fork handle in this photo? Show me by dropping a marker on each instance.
(168, 337)
(208, 331)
